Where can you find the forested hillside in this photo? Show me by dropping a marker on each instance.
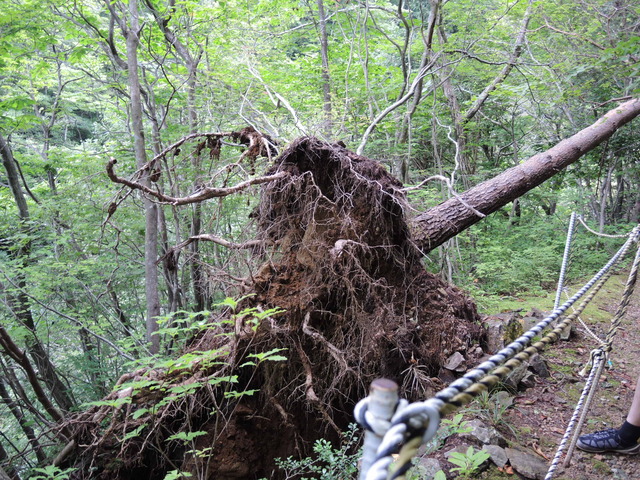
(214, 212)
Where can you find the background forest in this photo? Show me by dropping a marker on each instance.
(456, 89)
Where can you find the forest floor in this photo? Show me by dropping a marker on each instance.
(540, 414)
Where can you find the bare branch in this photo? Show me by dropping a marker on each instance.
(504, 73)
(571, 34)
(201, 195)
(218, 240)
(416, 81)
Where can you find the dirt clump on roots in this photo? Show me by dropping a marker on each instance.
(337, 256)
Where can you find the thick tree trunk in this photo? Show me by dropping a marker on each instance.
(446, 220)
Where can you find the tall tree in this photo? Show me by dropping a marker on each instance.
(131, 30)
(17, 296)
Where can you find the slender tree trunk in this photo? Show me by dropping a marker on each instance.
(446, 220)
(18, 300)
(150, 208)
(326, 79)
(402, 165)
(460, 119)
(7, 472)
(22, 420)
(19, 357)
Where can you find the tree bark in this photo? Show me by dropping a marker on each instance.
(9, 473)
(23, 421)
(13, 351)
(150, 208)
(446, 220)
(326, 79)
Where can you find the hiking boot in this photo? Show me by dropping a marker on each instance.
(606, 441)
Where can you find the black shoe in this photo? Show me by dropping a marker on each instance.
(606, 441)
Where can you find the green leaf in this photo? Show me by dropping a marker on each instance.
(186, 436)
(135, 432)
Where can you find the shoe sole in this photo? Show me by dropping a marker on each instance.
(625, 451)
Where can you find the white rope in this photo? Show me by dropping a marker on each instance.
(598, 357)
(584, 325)
(565, 260)
(601, 234)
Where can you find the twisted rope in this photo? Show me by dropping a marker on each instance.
(417, 423)
(598, 361)
(565, 260)
(600, 234)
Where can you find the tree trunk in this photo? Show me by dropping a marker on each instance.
(9, 472)
(326, 79)
(18, 300)
(446, 220)
(23, 421)
(460, 119)
(150, 208)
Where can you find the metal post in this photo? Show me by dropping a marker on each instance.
(383, 398)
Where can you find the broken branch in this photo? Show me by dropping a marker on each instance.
(204, 193)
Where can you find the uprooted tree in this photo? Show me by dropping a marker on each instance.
(339, 297)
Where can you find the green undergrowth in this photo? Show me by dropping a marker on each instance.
(599, 310)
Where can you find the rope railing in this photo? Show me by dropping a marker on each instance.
(598, 361)
(416, 423)
(565, 260)
(606, 235)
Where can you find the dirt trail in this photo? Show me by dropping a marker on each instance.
(542, 412)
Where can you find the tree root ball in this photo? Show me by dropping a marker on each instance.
(358, 304)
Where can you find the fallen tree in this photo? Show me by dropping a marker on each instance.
(338, 297)
(444, 221)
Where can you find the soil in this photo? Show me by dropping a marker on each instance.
(541, 413)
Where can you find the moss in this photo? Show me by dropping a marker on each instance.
(601, 467)
(492, 473)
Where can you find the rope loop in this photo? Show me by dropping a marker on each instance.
(371, 422)
(417, 421)
(420, 416)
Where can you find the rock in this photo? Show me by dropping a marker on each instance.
(567, 332)
(528, 380)
(515, 376)
(498, 455)
(619, 474)
(538, 366)
(529, 322)
(455, 362)
(527, 464)
(483, 433)
(503, 398)
(501, 329)
(445, 376)
(537, 314)
(428, 467)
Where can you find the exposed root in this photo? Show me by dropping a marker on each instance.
(338, 257)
